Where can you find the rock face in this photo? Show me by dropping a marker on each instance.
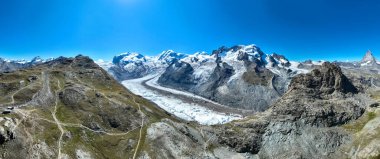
(304, 122)
(178, 74)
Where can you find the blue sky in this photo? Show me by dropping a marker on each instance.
(298, 29)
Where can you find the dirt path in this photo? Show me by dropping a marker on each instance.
(141, 128)
(46, 97)
(12, 97)
(95, 131)
(13, 94)
(58, 122)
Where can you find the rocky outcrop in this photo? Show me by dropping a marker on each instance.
(7, 129)
(304, 121)
(179, 140)
(71, 96)
(326, 80)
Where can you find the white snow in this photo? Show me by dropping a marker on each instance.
(294, 67)
(283, 61)
(133, 57)
(186, 111)
(320, 62)
(203, 65)
(167, 57)
(21, 61)
(104, 64)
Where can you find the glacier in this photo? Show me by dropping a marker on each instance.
(175, 106)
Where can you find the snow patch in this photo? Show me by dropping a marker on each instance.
(103, 64)
(294, 67)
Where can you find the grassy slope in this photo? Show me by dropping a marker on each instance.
(41, 128)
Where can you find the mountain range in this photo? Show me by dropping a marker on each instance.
(236, 102)
(229, 75)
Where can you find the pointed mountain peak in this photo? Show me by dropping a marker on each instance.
(368, 58)
(36, 59)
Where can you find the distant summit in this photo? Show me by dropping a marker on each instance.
(368, 59)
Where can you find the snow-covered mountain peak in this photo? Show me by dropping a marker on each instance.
(239, 52)
(129, 57)
(34, 61)
(168, 56)
(37, 60)
(199, 57)
(277, 60)
(132, 65)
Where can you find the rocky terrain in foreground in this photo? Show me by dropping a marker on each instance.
(71, 108)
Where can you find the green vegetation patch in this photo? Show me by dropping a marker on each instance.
(358, 124)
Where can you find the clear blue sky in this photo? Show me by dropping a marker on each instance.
(299, 29)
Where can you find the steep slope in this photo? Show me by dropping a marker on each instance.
(240, 76)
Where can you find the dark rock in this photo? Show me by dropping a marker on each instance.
(72, 96)
(374, 105)
(178, 74)
(32, 78)
(114, 123)
(326, 80)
